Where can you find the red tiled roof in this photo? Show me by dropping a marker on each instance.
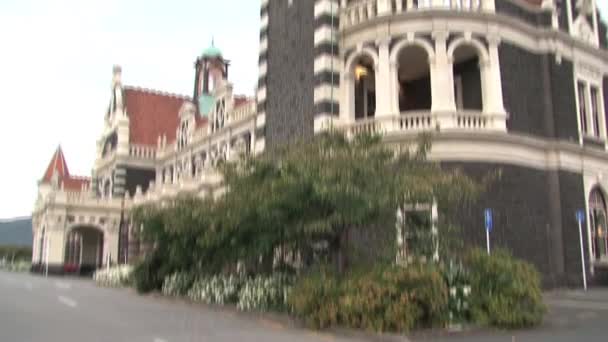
(75, 183)
(59, 168)
(57, 165)
(152, 114)
(240, 100)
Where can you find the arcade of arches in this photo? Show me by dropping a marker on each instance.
(413, 75)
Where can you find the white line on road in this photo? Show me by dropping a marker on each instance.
(67, 301)
(159, 340)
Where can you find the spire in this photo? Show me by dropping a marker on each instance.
(58, 168)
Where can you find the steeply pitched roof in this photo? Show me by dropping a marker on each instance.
(58, 168)
(57, 165)
(152, 114)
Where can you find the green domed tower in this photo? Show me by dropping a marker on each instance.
(211, 71)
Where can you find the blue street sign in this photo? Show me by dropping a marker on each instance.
(580, 216)
(488, 219)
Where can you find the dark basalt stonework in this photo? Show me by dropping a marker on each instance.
(538, 93)
(290, 84)
(533, 213)
(539, 19)
(138, 177)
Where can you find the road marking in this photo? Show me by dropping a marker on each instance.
(62, 285)
(159, 340)
(67, 301)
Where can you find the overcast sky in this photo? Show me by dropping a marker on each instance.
(56, 61)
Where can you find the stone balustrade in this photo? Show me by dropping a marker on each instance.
(242, 112)
(355, 12)
(142, 151)
(426, 121)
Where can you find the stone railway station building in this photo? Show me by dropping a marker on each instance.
(519, 86)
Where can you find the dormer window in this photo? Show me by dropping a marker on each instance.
(183, 135)
(219, 115)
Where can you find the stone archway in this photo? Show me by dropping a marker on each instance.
(84, 249)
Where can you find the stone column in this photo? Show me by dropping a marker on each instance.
(441, 70)
(347, 104)
(492, 84)
(384, 7)
(383, 81)
(394, 87)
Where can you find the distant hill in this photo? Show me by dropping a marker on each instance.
(16, 232)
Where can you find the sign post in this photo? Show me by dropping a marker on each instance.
(580, 218)
(488, 221)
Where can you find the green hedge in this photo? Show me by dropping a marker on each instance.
(506, 292)
(16, 252)
(384, 299)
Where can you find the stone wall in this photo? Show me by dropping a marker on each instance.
(533, 213)
(290, 80)
(538, 93)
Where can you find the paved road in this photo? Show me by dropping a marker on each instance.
(35, 309)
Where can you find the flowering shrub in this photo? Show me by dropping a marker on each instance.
(117, 276)
(177, 284)
(457, 280)
(265, 293)
(216, 290)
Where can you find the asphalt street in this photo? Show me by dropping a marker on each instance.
(33, 308)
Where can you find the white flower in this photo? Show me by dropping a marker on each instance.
(467, 290)
(452, 291)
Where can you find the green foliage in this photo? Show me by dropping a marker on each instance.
(17, 266)
(147, 275)
(384, 299)
(15, 253)
(218, 289)
(294, 199)
(459, 286)
(177, 284)
(506, 291)
(265, 293)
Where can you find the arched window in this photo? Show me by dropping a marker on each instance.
(365, 87)
(597, 221)
(468, 85)
(414, 79)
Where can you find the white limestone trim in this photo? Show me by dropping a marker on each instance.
(505, 28)
(324, 122)
(591, 79)
(324, 34)
(326, 93)
(261, 120)
(326, 62)
(261, 94)
(512, 149)
(264, 22)
(263, 69)
(326, 7)
(263, 44)
(260, 145)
